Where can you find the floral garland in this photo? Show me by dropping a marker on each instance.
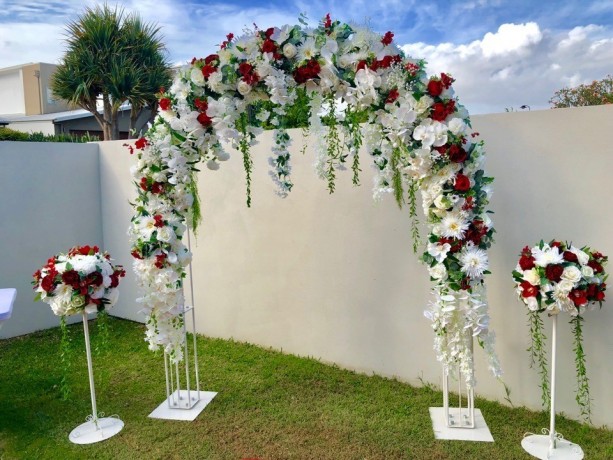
(359, 90)
(83, 280)
(553, 278)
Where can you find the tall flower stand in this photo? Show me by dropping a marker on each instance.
(462, 422)
(187, 403)
(95, 428)
(550, 444)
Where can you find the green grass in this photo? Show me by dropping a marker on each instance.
(269, 406)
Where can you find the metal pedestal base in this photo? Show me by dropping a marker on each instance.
(538, 445)
(95, 431)
(480, 431)
(177, 407)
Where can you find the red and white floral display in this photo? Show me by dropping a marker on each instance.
(84, 279)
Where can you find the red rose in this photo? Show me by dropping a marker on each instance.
(387, 38)
(439, 112)
(159, 260)
(159, 221)
(570, 256)
(578, 296)
(269, 32)
(245, 68)
(392, 96)
(462, 183)
(597, 256)
(591, 290)
(435, 88)
(211, 58)
(136, 255)
(595, 266)
(208, 70)
(47, 283)
(528, 290)
(554, 272)
(114, 280)
(269, 46)
(71, 278)
(204, 119)
(251, 78)
(157, 187)
(141, 143)
(164, 103)
(94, 278)
(144, 184)
(457, 154)
(555, 244)
(384, 63)
(446, 80)
(201, 104)
(526, 262)
(599, 296)
(361, 65)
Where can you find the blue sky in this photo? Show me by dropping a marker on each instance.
(503, 53)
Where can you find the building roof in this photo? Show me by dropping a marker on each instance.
(56, 117)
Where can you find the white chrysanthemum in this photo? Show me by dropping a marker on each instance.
(453, 225)
(474, 261)
(560, 295)
(84, 264)
(308, 50)
(546, 256)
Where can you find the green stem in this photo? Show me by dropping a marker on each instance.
(413, 215)
(583, 389)
(244, 148)
(397, 177)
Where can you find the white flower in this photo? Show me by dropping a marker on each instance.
(587, 271)
(453, 225)
(547, 255)
(439, 251)
(243, 87)
(438, 272)
(532, 303)
(307, 50)
(84, 264)
(197, 77)
(146, 226)
(572, 274)
(165, 234)
(457, 126)
(532, 277)
(474, 261)
(442, 202)
(289, 50)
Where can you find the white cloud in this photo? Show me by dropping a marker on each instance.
(520, 64)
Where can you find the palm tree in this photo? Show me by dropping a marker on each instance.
(116, 58)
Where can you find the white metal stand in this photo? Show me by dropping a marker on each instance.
(462, 422)
(95, 428)
(551, 444)
(184, 404)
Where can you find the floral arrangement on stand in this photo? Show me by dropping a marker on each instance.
(359, 90)
(559, 277)
(82, 280)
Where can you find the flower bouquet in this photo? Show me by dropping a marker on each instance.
(559, 277)
(82, 281)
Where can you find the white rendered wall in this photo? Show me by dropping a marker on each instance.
(49, 202)
(11, 93)
(45, 127)
(334, 277)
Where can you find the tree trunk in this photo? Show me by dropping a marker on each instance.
(114, 124)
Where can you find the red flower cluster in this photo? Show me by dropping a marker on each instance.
(476, 231)
(228, 40)
(202, 105)
(248, 73)
(328, 23)
(160, 261)
(411, 68)
(383, 63)
(151, 186)
(83, 250)
(528, 290)
(164, 103)
(269, 45)
(387, 38)
(392, 96)
(141, 143)
(437, 85)
(159, 221)
(526, 261)
(441, 110)
(307, 72)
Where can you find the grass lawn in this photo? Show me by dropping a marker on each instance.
(269, 406)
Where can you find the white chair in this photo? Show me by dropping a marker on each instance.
(7, 299)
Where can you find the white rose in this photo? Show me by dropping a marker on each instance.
(165, 234)
(197, 77)
(289, 50)
(438, 272)
(532, 303)
(442, 202)
(587, 271)
(566, 285)
(571, 273)
(581, 256)
(243, 88)
(532, 277)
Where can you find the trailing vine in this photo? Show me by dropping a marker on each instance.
(583, 389)
(538, 354)
(65, 357)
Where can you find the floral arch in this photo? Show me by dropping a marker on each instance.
(359, 90)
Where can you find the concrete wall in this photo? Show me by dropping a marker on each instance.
(333, 276)
(49, 202)
(45, 127)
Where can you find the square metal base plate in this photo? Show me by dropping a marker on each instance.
(479, 433)
(167, 412)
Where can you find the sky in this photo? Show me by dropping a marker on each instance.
(504, 54)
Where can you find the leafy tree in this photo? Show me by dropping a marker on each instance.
(114, 57)
(598, 92)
